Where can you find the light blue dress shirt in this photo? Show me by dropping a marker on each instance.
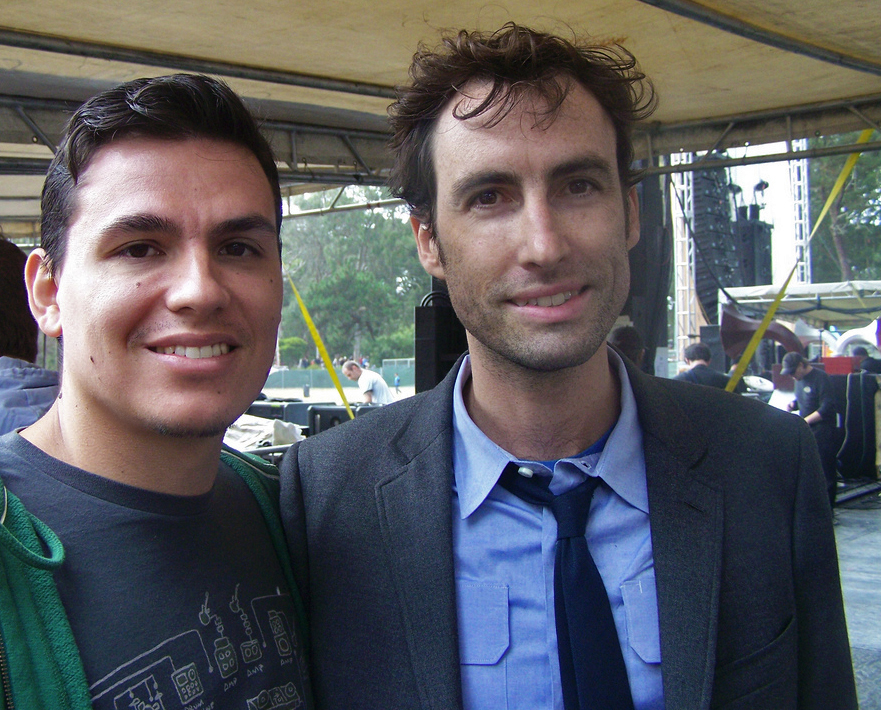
(504, 559)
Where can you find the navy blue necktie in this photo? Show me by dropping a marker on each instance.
(591, 665)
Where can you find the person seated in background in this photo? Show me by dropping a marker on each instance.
(372, 386)
(26, 391)
(697, 358)
(867, 364)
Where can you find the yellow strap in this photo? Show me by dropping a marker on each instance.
(769, 316)
(325, 358)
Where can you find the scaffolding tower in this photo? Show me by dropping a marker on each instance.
(801, 203)
(689, 316)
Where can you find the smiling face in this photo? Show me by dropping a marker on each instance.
(169, 296)
(532, 231)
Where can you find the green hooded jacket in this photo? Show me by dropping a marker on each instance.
(40, 666)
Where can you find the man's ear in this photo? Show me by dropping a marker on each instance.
(427, 247)
(43, 293)
(631, 204)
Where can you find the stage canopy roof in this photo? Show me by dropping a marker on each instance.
(845, 305)
(727, 71)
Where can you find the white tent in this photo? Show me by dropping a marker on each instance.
(846, 305)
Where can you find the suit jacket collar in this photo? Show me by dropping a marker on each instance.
(430, 419)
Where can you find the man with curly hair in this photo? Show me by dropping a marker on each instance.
(450, 562)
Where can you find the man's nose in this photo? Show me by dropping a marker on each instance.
(543, 239)
(196, 283)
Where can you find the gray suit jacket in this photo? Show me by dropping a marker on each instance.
(749, 601)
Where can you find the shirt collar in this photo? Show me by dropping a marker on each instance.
(478, 461)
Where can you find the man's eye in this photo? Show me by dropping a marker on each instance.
(236, 249)
(487, 197)
(138, 251)
(579, 187)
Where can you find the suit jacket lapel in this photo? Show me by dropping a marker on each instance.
(686, 521)
(415, 514)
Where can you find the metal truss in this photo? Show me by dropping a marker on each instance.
(784, 126)
(306, 153)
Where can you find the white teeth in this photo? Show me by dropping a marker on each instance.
(195, 353)
(557, 299)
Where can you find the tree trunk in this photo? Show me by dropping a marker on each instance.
(836, 232)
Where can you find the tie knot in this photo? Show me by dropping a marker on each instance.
(572, 508)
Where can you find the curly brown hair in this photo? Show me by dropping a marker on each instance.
(516, 61)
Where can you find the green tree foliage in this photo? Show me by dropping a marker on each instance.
(847, 245)
(291, 349)
(357, 272)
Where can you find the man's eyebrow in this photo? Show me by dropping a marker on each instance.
(469, 183)
(592, 164)
(139, 223)
(247, 223)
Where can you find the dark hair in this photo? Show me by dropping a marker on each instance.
(628, 340)
(698, 351)
(18, 329)
(518, 62)
(860, 351)
(175, 107)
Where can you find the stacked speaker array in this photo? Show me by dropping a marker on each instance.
(717, 256)
(754, 244)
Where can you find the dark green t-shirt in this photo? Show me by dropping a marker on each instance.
(175, 602)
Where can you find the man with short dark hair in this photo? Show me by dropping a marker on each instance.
(815, 401)
(26, 391)
(867, 363)
(462, 541)
(143, 566)
(697, 358)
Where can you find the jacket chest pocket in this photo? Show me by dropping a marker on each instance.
(483, 640)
